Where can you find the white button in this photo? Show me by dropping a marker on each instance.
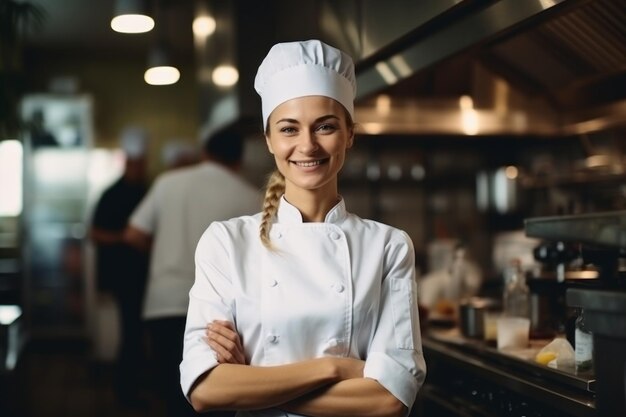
(333, 342)
(334, 236)
(273, 283)
(272, 338)
(279, 235)
(339, 287)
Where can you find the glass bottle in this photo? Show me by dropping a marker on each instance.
(583, 342)
(516, 294)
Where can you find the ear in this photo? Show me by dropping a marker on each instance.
(350, 141)
(268, 142)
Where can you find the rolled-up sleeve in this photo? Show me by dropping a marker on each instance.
(210, 298)
(395, 357)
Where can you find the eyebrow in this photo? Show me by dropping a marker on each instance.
(318, 120)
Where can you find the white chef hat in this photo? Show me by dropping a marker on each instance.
(307, 68)
(134, 142)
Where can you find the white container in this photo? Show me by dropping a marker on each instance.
(513, 332)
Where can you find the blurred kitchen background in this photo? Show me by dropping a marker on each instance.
(473, 115)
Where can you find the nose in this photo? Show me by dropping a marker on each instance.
(308, 142)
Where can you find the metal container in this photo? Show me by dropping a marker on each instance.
(472, 315)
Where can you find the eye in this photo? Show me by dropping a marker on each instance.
(288, 130)
(326, 128)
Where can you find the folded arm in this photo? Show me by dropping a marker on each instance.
(362, 397)
(335, 397)
(243, 387)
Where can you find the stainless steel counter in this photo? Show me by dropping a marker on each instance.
(470, 378)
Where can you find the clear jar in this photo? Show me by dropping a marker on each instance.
(516, 296)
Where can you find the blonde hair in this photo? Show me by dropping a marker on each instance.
(274, 189)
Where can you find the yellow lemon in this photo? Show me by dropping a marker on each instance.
(545, 357)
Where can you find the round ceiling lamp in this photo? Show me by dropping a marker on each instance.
(131, 17)
(160, 70)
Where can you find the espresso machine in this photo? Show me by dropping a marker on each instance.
(598, 241)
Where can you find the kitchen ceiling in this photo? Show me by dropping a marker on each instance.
(85, 24)
(576, 59)
(559, 70)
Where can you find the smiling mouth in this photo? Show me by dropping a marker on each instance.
(307, 164)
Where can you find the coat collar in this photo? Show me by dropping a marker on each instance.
(289, 214)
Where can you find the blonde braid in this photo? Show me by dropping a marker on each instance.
(274, 189)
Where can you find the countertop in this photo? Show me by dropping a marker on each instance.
(515, 371)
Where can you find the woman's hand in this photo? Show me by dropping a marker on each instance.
(225, 341)
(348, 368)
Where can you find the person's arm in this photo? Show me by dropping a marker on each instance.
(142, 224)
(104, 229)
(356, 396)
(137, 238)
(106, 237)
(244, 387)
(363, 397)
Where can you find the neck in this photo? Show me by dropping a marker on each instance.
(314, 205)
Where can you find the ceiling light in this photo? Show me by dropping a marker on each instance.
(131, 17)
(164, 75)
(225, 76)
(160, 70)
(203, 26)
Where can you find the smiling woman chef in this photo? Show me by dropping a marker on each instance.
(311, 309)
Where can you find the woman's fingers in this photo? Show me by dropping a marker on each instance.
(222, 355)
(225, 341)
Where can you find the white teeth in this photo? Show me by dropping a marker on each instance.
(308, 164)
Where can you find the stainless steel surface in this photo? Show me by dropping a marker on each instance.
(567, 392)
(605, 311)
(608, 228)
(552, 70)
(429, 46)
(406, 15)
(446, 41)
(491, 356)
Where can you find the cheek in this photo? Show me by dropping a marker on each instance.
(339, 149)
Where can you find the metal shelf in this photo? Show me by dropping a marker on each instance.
(606, 228)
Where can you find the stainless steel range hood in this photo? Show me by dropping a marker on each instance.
(452, 67)
(549, 68)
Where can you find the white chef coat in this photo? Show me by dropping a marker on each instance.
(345, 288)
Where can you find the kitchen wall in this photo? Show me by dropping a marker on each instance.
(120, 95)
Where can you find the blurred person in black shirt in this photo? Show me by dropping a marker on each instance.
(122, 269)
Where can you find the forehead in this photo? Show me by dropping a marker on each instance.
(308, 107)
